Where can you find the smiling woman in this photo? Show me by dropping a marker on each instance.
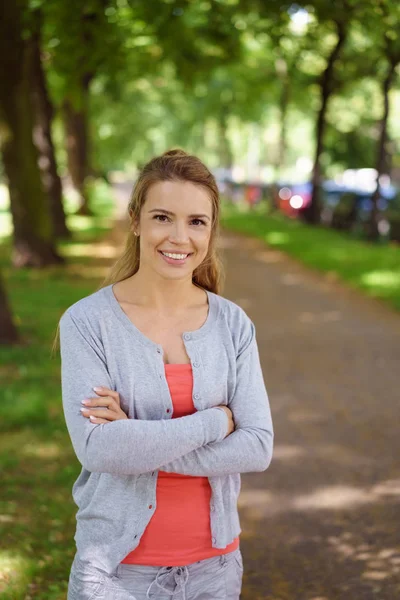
(180, 409)
(174, 206)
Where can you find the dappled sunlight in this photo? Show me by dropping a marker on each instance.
(7, 519)
(381, 279)
(103, 250)
(269, 256)
(330, 316)
(390, 487)
(335, 453)
(13, 570)
(291, 279)
(5, 225)
(379, 564)
(260, 504)
(276, 238)
(41, 450)
(87, 271)
(81, 222)
(332, 498)
(4, 197)
(286, 452)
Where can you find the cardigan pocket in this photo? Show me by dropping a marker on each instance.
(88, 583)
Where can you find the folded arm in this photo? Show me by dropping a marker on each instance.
(127, 446)
(249, 447)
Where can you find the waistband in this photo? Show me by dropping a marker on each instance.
(174, 579)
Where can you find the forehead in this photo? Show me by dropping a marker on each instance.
(180, 197)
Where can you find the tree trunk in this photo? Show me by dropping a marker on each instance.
(284, 105)
(76, 127)
(225, 151)
(381, 158)
(282, 71)
(43, 138)
(8, 331)
(313, 210)
(33, 235)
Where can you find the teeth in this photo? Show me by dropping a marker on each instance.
(176, 256)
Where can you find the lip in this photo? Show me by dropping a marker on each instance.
(173, 261)
(176, 251)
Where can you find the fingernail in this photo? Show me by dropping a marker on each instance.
(85, 402)
(83, 409)
(98, 389)
(92, 417)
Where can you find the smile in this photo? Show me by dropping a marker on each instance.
(176, 258)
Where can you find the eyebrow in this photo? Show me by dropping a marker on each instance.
(168, 212)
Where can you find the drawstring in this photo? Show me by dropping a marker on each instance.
(181, 575)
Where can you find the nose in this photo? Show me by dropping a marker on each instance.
(179, 233)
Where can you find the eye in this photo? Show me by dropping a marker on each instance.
(160, 216)
(199, 221)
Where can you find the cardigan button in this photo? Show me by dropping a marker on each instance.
(196, 364)
(196, 396)
(187, 336)
(213, 540)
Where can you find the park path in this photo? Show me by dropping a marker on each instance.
(322, 523)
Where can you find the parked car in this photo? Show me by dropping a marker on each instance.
(293, 199)
(344, 207)
(353, 212)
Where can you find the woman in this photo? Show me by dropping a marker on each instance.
(181, 409)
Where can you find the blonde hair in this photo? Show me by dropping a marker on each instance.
(173, 165)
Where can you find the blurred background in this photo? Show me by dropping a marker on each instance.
(295, 108)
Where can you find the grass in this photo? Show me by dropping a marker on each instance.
(37, 462)
(372, 268)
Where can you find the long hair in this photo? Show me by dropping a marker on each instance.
(173, 165)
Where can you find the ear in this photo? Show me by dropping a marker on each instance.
(134, 227)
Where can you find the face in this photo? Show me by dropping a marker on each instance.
(174, 228)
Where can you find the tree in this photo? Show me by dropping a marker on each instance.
(33, 240)
(388, 14)
(8, 331)
(42, 135)
(88, 47)
(330, 19)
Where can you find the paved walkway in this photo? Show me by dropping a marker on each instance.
(322, 523)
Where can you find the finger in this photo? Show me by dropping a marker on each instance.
(109, 415)
(101, 391)
(103, 401)
(97, 420)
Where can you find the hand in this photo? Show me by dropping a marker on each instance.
(112, 410)
(231, 424)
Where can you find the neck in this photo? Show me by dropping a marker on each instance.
(162, 295)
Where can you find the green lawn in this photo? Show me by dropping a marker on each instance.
(38, 465)
(374, 269)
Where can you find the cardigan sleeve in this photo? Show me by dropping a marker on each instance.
(126, 446)
(249, 447)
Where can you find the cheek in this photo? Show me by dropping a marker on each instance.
(203, 243)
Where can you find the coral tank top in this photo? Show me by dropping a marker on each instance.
(179, 531)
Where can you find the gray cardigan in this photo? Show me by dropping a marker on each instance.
(116, 489)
